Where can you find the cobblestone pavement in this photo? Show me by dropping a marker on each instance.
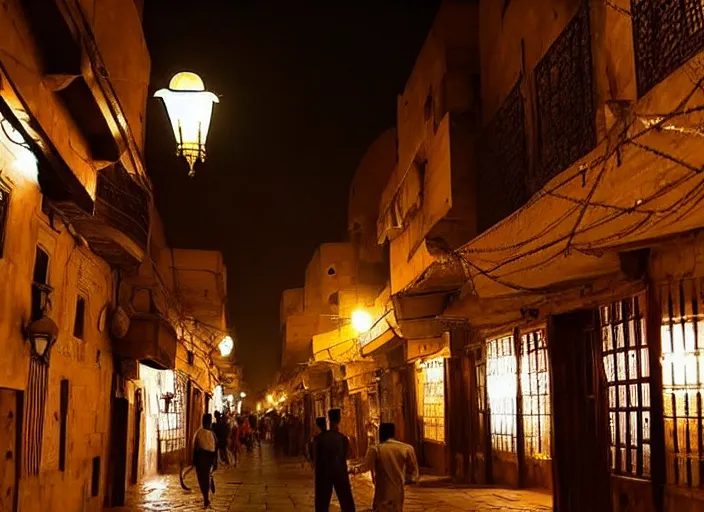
(264, 483)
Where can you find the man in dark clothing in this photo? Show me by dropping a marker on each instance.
(222, 434)
(330, 458)
(204, 457)
(309, 450)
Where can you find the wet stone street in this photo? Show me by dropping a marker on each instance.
(262, 482)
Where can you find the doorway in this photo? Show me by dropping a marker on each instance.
(118, 449)
(580, 451)
(10, 446)
(137, 437)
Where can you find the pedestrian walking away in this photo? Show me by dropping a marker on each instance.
(393, 464)
(204, 456)
(330, 450)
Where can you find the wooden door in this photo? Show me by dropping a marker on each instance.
(580, 425)
(10, 414)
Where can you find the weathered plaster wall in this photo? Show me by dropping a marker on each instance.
(331, 269)
(368, 184)
(86, 363)
(291, 302)
(435, 112)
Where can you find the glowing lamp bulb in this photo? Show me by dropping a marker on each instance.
(361, 320)
(226, 346)
(243, 394)
(189, 107)
(270, 399)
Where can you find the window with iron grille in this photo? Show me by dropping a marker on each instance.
(172, 411)
(434, 400)
(682, 336)
(535, 389)
(627, 369)
(565, 99)
(501, 386)
(666, 34)
(480, 371)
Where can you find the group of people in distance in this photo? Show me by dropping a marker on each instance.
(392, 463)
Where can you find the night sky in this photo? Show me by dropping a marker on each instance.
(303, 92)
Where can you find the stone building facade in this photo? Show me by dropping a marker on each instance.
(89, 294)
(540, 325)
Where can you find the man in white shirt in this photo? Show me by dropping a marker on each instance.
(204, 456)
(392, 464)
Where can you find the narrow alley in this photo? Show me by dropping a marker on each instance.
(263, 482)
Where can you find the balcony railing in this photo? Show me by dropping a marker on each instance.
(666, 34)
(123, 203)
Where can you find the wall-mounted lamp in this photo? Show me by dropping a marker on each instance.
(42, 335)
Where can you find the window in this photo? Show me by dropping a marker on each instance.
(627, 370)
(40, 283)
(682, 335)
(501, 385)
(535, 387)
(480, 369)
(434, 400)
(95, 478)
(334, 299)
(63, 420)
(4, 206)
(79, 320)
(666, 34)
(331, 270)
(172, 416)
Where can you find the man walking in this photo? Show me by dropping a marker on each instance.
(330, 459)
(392, 464)
(222, 434)
(204, 456)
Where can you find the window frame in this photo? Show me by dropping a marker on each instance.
(436, 421)
(623, 332)
(502, 438)
(532, 388)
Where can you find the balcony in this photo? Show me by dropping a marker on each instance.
(151, 340)
(118, 231)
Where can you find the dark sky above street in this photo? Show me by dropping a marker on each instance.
(304, 90)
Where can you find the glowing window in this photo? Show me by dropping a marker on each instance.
(625, 358)
(434, 400)
(535, 388)
(682, 335)
(501, 385)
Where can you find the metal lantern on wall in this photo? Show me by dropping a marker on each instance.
(42, 335)
(189, 107)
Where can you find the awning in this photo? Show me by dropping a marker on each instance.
(339, 345)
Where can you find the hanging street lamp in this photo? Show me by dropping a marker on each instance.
(189, 107)
(362, 321)
(226, 346)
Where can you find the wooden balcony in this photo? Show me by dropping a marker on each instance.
(151, 340)
(118, 230)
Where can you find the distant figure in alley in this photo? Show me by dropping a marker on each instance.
(330, 450)
(392, 464)
(204, 456)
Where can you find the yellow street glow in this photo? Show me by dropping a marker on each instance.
(361, 320)
(270, 399)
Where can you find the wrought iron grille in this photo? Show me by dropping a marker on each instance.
(565, 100)
(434, 400)
(627, 369)
(173, 399)
(503, 169)
(535, 387)
(501, 385)
(682, 337)
(666, 33)
(123, 203)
